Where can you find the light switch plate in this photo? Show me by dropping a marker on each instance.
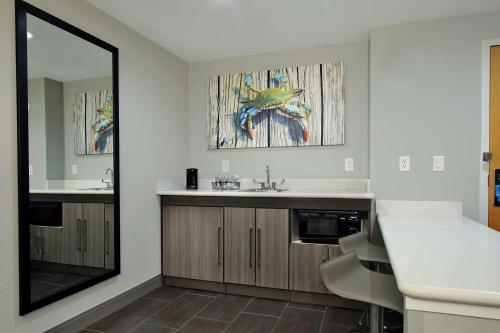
(404, 163)
(30, 170)
(349, 164)
(74, 169)
(225, 166)
(438, 163)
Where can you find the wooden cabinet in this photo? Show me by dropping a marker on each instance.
(83, 234)
(305, 260)
(193, 242)
(239, 245)
(46, 243)
(109, 236)
(272, 248)
(92, 235)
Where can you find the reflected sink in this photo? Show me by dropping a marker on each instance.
(95, 189)
(263, 190)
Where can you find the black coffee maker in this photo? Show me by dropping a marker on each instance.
(192, 179)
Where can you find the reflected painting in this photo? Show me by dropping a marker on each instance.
(293, 106)
(93, 123)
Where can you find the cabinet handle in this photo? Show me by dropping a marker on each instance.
(258, 247)
(323, 260)
(85, 234)
(37, 244)
(42, 246)
(79, 235)
(106, 231)
(219, 237)
(250, 246)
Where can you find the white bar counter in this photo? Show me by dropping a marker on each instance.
(448, 269)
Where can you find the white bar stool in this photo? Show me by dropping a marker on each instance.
(347, 277)
(367, 251)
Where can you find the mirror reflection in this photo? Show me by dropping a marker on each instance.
(70, 119)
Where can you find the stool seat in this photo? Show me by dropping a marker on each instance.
(365, 250)
(347, 277)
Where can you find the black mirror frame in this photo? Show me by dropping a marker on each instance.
(22, 9)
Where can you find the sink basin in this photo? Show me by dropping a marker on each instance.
(263, 190)
(94, 189)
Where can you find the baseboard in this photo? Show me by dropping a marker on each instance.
(83, 320)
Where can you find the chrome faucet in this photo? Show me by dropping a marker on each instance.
(110, 183)
(267, 185)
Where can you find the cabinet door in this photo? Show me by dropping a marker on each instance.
(52, 244)
(272, 248)
(305, 260)
(93, 235)
(35, 243)
(239, 245)
(109, 236)
(72, 233)
(193, 242)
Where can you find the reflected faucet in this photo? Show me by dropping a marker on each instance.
(109, 184)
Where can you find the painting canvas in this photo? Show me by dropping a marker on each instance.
(93, 123)
(293, 106)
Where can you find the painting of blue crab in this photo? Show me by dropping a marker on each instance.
(283, 107)
(274, 99)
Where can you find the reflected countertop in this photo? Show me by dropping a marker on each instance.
(71, 191)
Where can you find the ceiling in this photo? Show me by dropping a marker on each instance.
(58, 55)
(199, 30)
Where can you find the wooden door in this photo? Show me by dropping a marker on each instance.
(93, 235)
(72, 233)
(272, 248)
(239, 245)
(193, 242)
(494, 211)
(305, 260)
(35, 243)
(52, 244)
(109, 236)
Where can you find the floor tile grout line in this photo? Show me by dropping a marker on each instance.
(194, 316)
(322, 321)
(279, 318)
(296, 307)
(260, 314)
(237, 316)
(157, 311)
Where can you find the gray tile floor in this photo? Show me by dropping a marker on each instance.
(169, 309)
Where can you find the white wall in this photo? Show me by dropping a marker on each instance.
(425, 100)
(153, 86)
(285, 162)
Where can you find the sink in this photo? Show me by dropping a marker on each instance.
(263, 190)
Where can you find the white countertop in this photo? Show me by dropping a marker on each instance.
(446, 259)
(70, 191)
(298, 193)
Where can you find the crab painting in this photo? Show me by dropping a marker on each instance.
(102, 127)
(275, 99)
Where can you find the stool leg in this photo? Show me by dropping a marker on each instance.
(374, 319)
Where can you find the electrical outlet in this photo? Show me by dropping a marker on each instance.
(74, 169)
(404, 163)
(30, 170)
(349, 164)
(225, 166)
(438, 163)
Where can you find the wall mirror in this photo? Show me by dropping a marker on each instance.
(69, 222)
